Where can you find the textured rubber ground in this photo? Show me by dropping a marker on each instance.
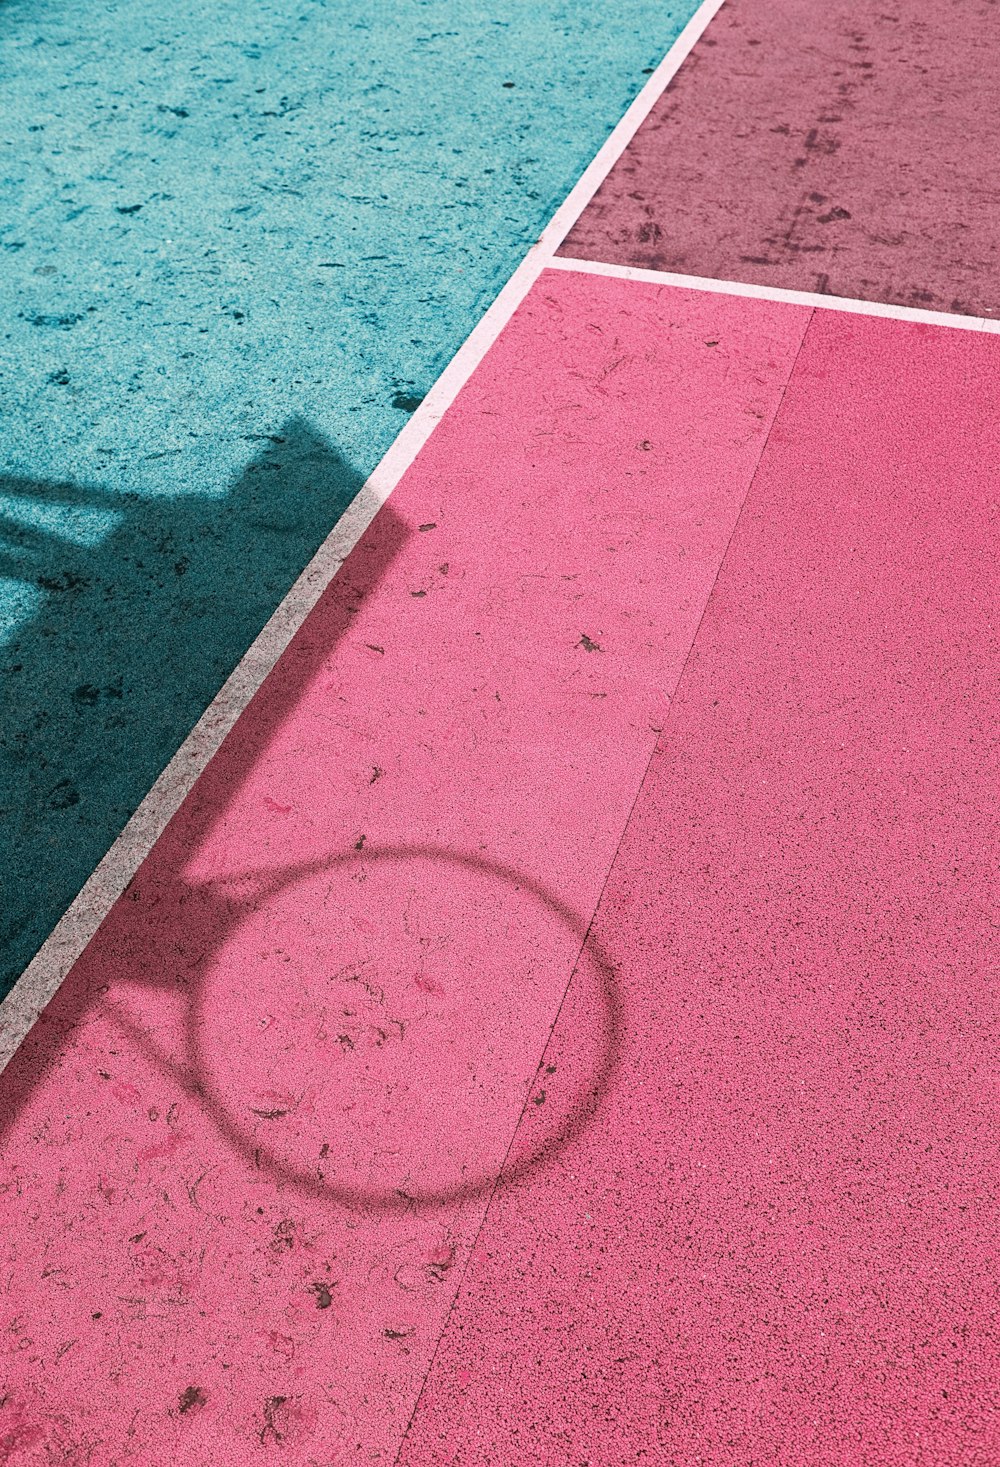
(237, 249)
(250, 1142)
(776, 1241)
(843, 148)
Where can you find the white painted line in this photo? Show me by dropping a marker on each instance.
(775, 293)
(43, 975)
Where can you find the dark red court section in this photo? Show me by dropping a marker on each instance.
(776, 1244)
(849, 149)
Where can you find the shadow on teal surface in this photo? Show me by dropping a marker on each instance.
(144, 607)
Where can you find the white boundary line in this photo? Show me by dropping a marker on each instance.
(43, 975)
(776, 293)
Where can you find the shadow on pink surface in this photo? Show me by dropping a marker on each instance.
(177, 937)
(220, 912)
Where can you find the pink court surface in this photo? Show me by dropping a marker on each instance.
(559, 1026)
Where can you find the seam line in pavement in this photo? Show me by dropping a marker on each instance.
(600, 897)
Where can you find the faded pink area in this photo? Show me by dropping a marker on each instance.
(841, 147)
(777, 1241)
(250, 1142)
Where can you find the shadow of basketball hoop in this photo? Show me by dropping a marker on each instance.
(176, 938)
(216, 1073)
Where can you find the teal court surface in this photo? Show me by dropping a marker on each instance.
(499, 738)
